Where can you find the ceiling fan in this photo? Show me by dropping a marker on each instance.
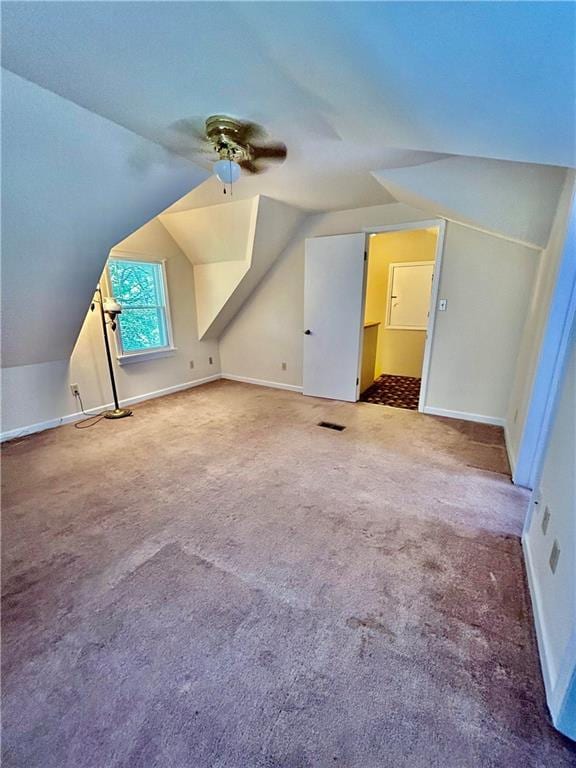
(239, 144)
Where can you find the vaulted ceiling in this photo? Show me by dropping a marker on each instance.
(350, 87)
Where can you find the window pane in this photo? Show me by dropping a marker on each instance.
(142, 329)
(136, 283)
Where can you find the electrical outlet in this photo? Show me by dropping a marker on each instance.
(191, 363)
(210, 360)
(284, 366)
(75, 389)
(545, 520)
(554, 555)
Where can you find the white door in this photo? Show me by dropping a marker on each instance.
(333, 315)
(409, 288)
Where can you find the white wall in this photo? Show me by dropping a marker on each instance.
(268, 329)
(486, 280)
(538, 312)
(487, 283)
(40, 393)
(554, 594)
(231, 246)
(34, 394)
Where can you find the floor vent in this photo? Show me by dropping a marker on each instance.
(331, 425)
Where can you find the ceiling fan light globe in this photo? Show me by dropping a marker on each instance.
(227, 171)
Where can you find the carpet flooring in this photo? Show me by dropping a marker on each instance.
(395, 391)
(217, 582)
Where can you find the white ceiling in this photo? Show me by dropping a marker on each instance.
(69, 194)
(350, 87)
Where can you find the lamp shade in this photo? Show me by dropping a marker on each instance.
(112, 306)
(228, 171)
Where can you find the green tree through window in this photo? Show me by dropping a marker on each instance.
(139, 287)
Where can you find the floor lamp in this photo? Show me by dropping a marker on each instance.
(112, 309)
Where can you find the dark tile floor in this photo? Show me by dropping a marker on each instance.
(397, 391)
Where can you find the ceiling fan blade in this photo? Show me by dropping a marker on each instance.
(249, 132)
(191, 127)
(187, 137)
(189, 149)
(249, 166)
(275, 152)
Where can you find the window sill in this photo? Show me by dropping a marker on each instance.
(142, 357)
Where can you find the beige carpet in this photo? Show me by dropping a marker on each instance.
(218, 582)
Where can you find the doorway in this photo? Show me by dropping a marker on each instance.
(339, 346)
(399, 278)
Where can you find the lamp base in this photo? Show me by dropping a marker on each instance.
(118, 413)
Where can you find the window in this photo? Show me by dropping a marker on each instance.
(144, 324)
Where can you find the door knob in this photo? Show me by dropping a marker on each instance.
(307, 332)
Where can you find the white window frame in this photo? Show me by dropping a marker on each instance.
(391, 267)
(127, 358)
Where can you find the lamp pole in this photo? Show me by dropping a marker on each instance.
(117, 413)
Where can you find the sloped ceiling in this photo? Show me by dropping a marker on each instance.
(70, 193)
(231, 247)
(350, 87)
(514, 200)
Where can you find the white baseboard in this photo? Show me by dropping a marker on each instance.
(556, 686)
(261, 382)
(170, 390)
(465, 416)
(543, 652)
(40, 426)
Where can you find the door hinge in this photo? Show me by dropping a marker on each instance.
(365, 255)
(357, 380)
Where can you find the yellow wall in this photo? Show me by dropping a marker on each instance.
(399, 352)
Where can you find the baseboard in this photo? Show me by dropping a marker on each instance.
(553, 700)
(170, 390)
(537, 613)
(557, 690)
(40, 426)
(465, 416)
(262, 382)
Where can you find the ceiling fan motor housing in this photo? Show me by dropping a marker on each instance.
(227, 135)
(241, 141)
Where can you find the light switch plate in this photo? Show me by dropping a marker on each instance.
(442, 305)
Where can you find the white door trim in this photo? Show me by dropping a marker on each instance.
(439, 224)
(553, 359)
(408, 225)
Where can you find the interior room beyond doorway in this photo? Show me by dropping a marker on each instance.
(397, 304)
